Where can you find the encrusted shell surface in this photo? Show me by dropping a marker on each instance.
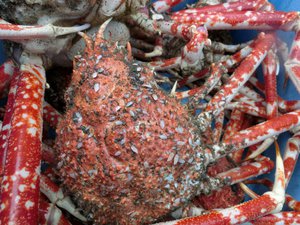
(127, 152)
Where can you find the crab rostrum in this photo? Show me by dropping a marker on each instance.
(128, 152)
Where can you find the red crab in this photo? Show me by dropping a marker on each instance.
(128, 152)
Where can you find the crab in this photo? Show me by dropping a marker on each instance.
(132, 164)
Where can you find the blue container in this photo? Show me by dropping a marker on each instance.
(289, 93)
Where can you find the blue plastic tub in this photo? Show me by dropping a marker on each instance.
(288, 93)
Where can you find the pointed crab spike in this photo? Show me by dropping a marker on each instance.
(279, 184)
(100, 34)
(129, 49)
(88, 41)
(263, 147)
(174, 89)
(248, 191)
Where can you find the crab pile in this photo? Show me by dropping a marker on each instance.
(126, 151)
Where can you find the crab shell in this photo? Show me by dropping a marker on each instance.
(127, 152)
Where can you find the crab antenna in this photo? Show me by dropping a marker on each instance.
(100, 34)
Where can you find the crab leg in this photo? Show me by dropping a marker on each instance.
(270, 71)
(6, 72)
(247, 170)
(48, 154)
(292, 66)
(269, 202)
(291, 155)
(278, 218)
(161, 6)
(289, 200)
(191, 54)
(242, 20)
(21, 32)
(292, 203)
(5, 130)
(218, 130)
(219, 47)
(50, 214)
(225, 7)
(249, 109)
(283, 105)
(288, 105)
(158, 49)
(55, 195)
(238, 121)
(51, 115)
(20, 183)
(260, 132)
(270, 65)
(237, 80)
(234, 59)
(217, 71)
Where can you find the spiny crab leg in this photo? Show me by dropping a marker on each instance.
(20, 183)
(21, 32)
(269, 202)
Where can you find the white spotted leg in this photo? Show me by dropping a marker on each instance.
(22, 148)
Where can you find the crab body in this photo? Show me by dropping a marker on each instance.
(128, 152)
